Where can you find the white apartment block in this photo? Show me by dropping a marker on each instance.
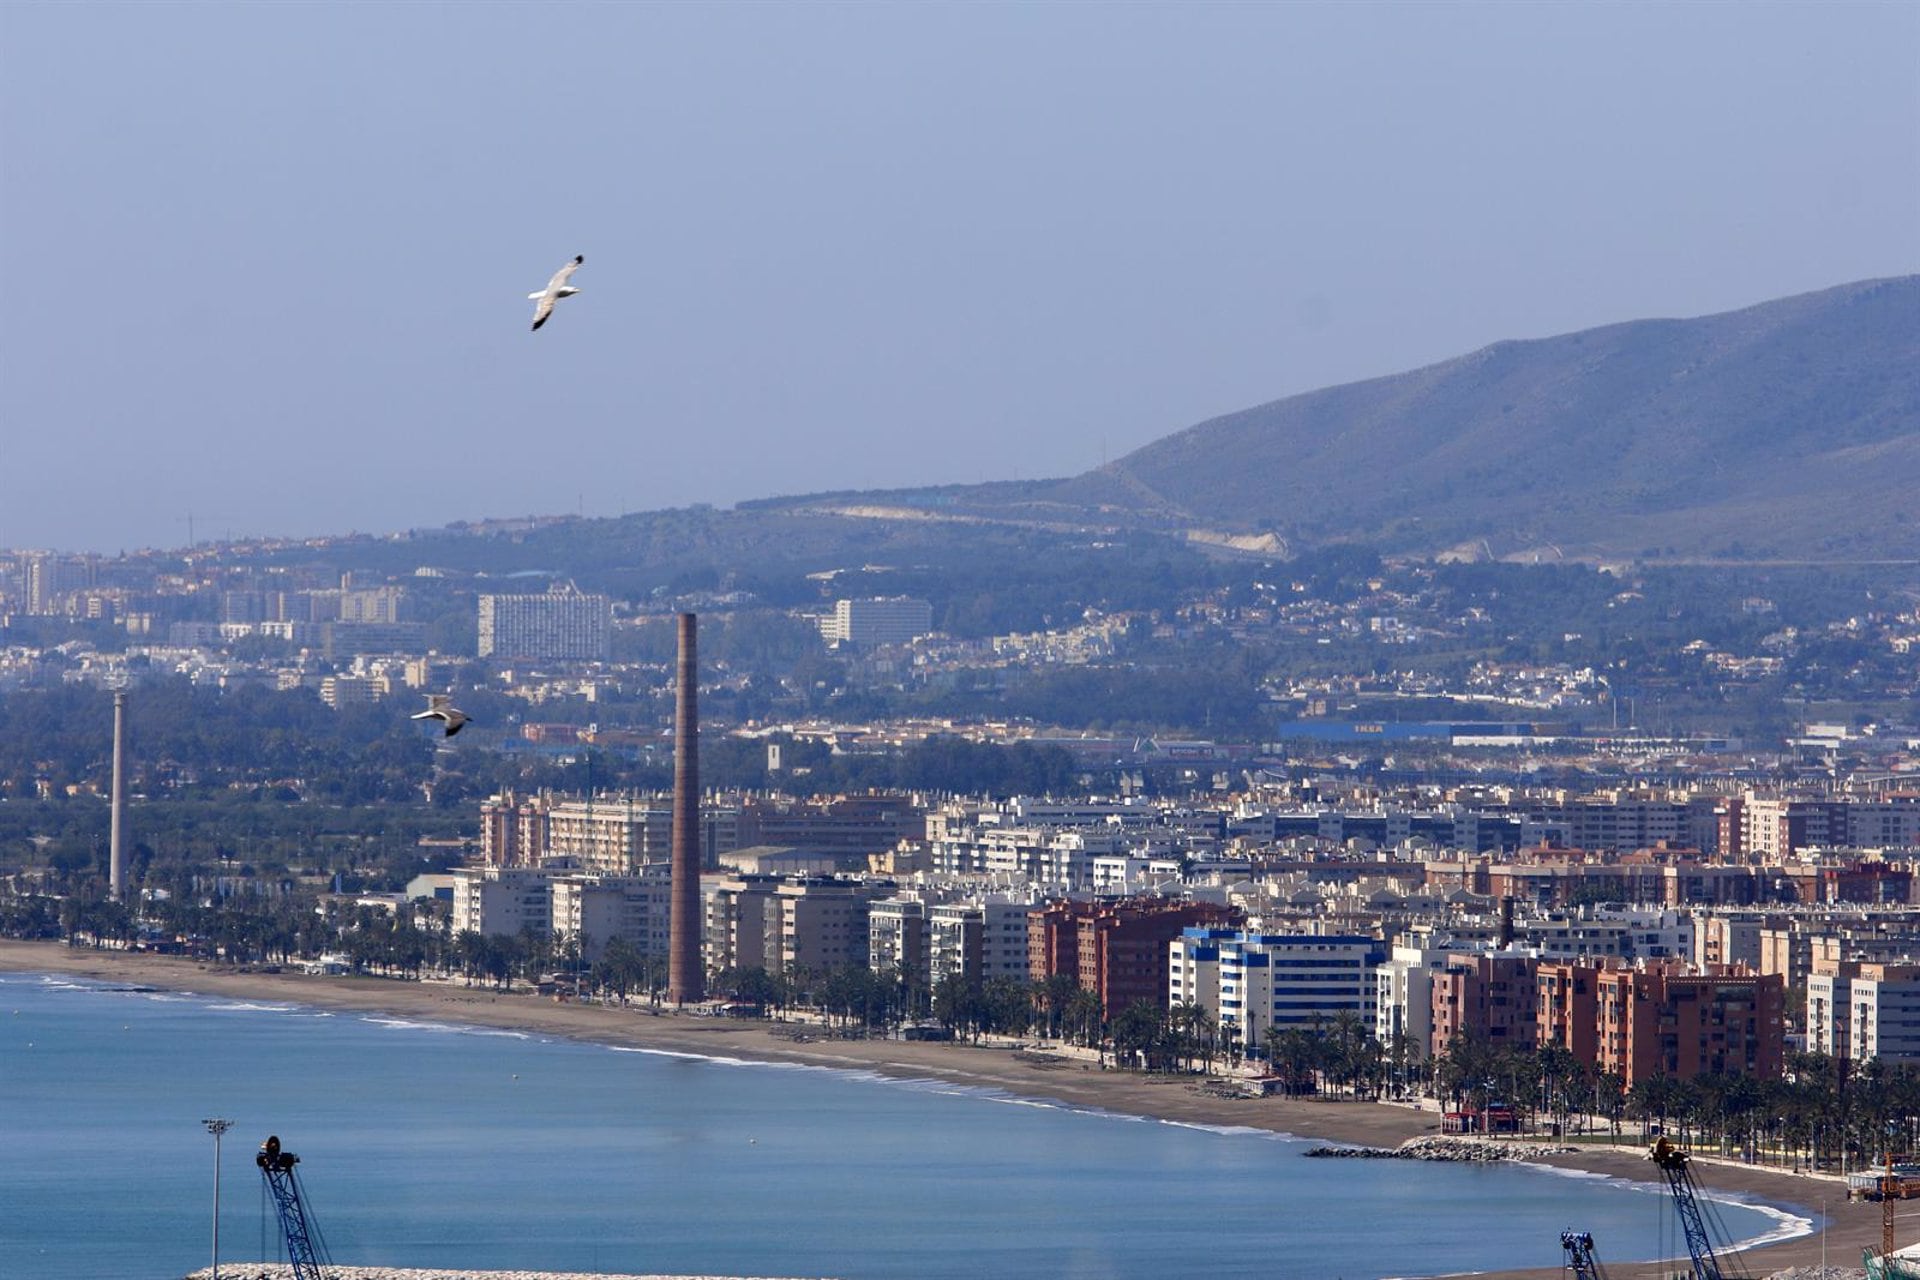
(1258, 985)
(500, 900)
(1829, 1011)
(817, 925)
(1403, 995)
(614, 835)
(897, 937)
(598, 909)
(563, 624)
(984, 938)
(872, 623)
(1862, 1010)
(1119, 875)
(735, 915)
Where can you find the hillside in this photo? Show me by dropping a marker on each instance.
(1787, 429)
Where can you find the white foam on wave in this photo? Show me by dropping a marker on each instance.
(1787, 1224)
(247, 1006)
(56, 982)
(1232, 1130)
(409, 1024)
(445, 1028)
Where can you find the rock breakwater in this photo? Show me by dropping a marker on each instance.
(1454, 1150)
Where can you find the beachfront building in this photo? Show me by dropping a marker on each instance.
(1861, 1010)
(1259, 985)
(1661, 1022)
(1491, 996)
(1115, 949)
(817, 924)
(978, 939)
(594, 910)
(897, 937)
(1403, 995)
(500, 900)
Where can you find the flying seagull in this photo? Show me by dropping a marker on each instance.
(440, 707)
(557, 288)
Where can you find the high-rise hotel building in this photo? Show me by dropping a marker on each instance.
(562, 624)
(872, 623)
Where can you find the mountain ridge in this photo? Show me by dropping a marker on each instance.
(1790, 427)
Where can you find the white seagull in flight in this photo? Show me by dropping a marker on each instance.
(557, 288)
(440, 707)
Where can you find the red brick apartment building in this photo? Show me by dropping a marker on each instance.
(1567, 1012)
(1654, 1022)
(1115, 949)
(1491, 995)
(1639, 1022)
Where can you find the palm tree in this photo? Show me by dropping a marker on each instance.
(1138, 1032)
(1296, 1055)
(1193, 1033)
(1083, 1020)
(1054, 994)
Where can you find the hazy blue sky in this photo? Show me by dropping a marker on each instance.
(265, 262)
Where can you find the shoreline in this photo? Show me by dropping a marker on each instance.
(1850, 1227)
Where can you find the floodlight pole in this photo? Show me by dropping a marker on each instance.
(216, 1128)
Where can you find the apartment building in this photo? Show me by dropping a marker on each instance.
(563, 624)
(1862, 1010)
(500, 900)
(978, 939)
(1491, 995)
(1660, 1022)
(1259, 985)
(735, 914)
(1118, 950)
(878, 621)
(1403, 995)
(817, 924)
(594, 910)
(897, 939)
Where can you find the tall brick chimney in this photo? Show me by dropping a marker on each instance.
(686, 978)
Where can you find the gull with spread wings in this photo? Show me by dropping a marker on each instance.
(557, 288)
(440, 707)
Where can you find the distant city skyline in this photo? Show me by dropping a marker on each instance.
(269, 264)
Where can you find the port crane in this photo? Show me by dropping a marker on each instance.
(1672, 1162)
(304, 1250)
(1580, 1259)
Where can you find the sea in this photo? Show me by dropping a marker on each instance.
(424, 1144)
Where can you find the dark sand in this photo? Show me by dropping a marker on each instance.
(1851, 1228)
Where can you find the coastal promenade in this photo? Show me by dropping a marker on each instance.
(1852, 1227)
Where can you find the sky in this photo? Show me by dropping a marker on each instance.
(266, 263)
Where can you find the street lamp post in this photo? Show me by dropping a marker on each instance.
(216, 1128)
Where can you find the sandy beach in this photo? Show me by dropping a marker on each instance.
(1851, 1227)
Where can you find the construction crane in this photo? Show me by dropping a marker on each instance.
(1672, 1162)
(1890, 1186)
(1580, 1259)
(303, 1249)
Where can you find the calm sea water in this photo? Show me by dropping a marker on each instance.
(427, 1145)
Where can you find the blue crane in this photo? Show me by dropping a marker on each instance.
(1580, 1259)
(1672, 1162)
(304, 1250)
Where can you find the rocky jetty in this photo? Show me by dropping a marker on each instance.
(1453, 1150)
